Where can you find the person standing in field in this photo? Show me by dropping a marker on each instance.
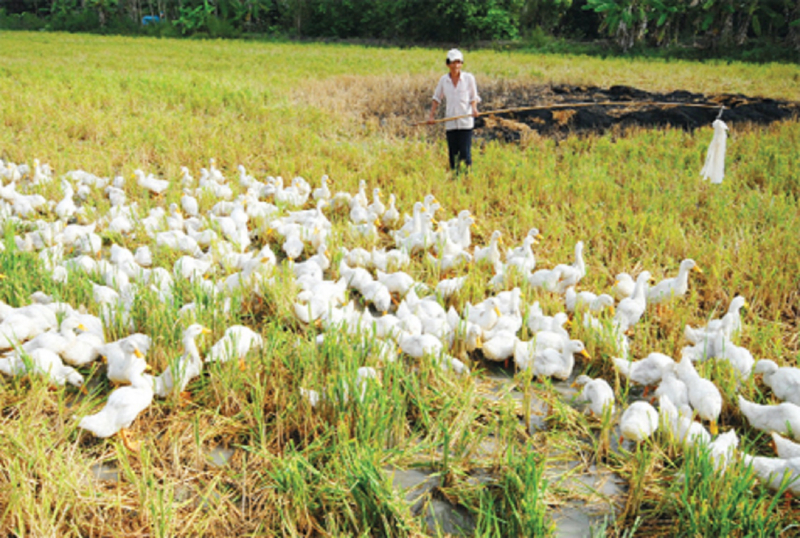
(459, 90)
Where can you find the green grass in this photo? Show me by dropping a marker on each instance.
(109, 105)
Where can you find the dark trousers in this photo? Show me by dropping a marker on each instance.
(459, 147)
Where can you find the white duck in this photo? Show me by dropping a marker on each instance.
(546, 279)
(123, 406)
(586, 300)
(630, 310)
(704, 396)
(624, 285)
(573, 273)
(774, 471)
(150, 182)
(323, 192)
(672, 288)
(188, 366)
(500, 347)
(391, 216)
(674, 388)
(44, 362)
(784, 381)
(782, 418)
(598, 393)
(639, 421)
(553, 363)
(785, 448)
(523, 261)
(237, 342)
(490, 253)
(647, 371)
(684, 430)
(124, 357)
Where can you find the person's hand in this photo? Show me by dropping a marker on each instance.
(430, 120)
(475, 113)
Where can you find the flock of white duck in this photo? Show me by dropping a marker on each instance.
(372, 298)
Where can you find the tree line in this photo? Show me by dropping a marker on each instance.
(627, 23)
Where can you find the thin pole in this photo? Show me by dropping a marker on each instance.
(575, 105)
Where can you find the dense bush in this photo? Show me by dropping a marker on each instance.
(724, 26)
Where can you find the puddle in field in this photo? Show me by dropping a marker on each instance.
(105, 471)
(593, 495)
(416, 483)
(572, 521)
(219, 456)
(440, 517)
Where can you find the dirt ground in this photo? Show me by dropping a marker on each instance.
(622, 107)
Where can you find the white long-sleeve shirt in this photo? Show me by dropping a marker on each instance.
(459, 99)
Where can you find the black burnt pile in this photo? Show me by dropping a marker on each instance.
(558, 111)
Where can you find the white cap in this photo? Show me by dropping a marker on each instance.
(454, 55)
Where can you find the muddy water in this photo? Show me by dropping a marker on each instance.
(592, 495)
(219, 456)
(105, 471)
(440, 517)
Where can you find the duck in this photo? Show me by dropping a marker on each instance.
(785, 448)
(573, 273)
(245, 180)
(419, 345)
(124, 356)
(630, 310)
(704, 396)
(598, 393)
(450, 286)
(85, 349)
(66, 208)
(647, 371)
(553, 363)
(398, 282)
(555, 337)
(727, 327)
(151, 183)
(186, 177)
(44, 362)
(500, 346)
(523, 261)
(484, 314)
(784, 381)
(188, 366)
(237, 342)
(537, 320)
(490, 253)
(638, 422)
(670, 289)
(22, 324)
(122, 407)
(683, 429)
(55, 341)
(459, 229)
(624, 285)
(391, 216)
(546, 279)
(586, 300)
(774, 472)
(376, 208)
(674, 388)
(722, 450)
(783, 418)
(323, 192)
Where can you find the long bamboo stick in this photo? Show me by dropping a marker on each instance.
(574, 105)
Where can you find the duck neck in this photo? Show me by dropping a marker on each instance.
(190, 349)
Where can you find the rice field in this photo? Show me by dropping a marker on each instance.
(416, 449)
